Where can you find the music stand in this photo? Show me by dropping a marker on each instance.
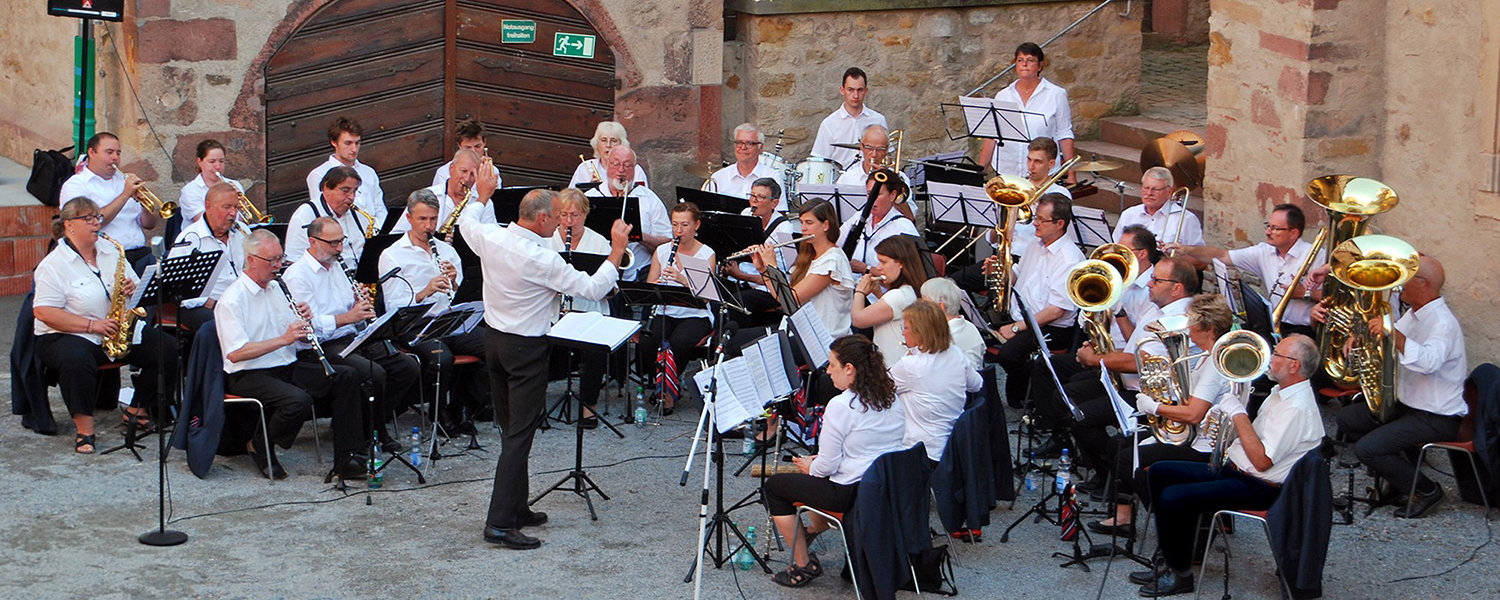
(588, 263)
(728, 233)
(847, 200)
(603, 210)
(988, 118)
(455, 321)
(635, 293)
(785, 296)
(706, 200)
(505, 203)
(388, 327)
(1090, 228)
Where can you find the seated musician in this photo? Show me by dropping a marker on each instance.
(681, 327)
(884, 222)
(820, 274)
(1156, 189)
(764, 195)
(429, 275)
(215, 232)
(1041, 280)
(465, 166)
(344, 135)
(210, 166)
(1275, 261)
(339, 185)
(608, 135)
(1041, 158)
(573, 236)
(966, 336)
(656, 226)
(340, 309)
(114, 193)
(266, 357)
(859, 425)
(1135, 306)
(894, 281)
(933, 379)
(1258, 462)
(76, 284)
(470, 134)
(1209, 317)
(1433, 365)
(739, 179)
(874, 150)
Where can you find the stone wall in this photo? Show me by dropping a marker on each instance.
(1375, 88)
(36, 81)
(784, 70)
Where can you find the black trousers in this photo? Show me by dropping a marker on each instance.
(518, 383)
(77, 361)
(288, 393)
(1184, 491)
(1391, 449)
(683, 334)
(393, 375)
(783, 489)
(194, 319)
(592, 365)
(468, 386)
(1015, 357)
(1080, 384)
(1129, 479)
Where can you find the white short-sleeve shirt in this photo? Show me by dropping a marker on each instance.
(888, 335)
(1047, 114)
(840, 126)
(1277, 270)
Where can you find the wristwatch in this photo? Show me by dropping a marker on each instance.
(1015, 328)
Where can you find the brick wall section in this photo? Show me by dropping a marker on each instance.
(24, 234)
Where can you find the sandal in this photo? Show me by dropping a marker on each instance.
(143, 423)
(80, 441)
(794, 576)
(813, 566)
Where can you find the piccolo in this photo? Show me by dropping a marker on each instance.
(744, 253)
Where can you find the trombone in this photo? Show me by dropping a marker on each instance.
(1184, 192)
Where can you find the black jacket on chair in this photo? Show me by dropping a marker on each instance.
(888, 522)
(200, 420)
(28, 388)
(963, 481)
(1486, 380)
(1300, 522)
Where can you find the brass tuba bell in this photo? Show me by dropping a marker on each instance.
(1240, 356)
(1167, 379)
(1371, 266)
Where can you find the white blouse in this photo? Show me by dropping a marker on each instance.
(854, 436)
(836, 301)
(933, 388)
(888, 335)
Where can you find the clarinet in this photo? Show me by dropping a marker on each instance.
(567, 250)
(312, 338)
(671, 259)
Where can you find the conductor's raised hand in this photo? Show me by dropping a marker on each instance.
(486, 181)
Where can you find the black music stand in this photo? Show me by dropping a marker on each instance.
(983, 119)
(441, 326)
(728, 233)
(587, 341)
(387, 328)
(603, 210)
(958, 208)
(587, 263)
(785, 296)
(844, 205)
(712, 201)
(506, 201)
(367, 269)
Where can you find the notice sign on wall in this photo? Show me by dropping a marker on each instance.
(577, 45)
(517, 31)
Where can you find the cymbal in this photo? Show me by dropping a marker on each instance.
(845, 146)
(700, 170)
(1186, 168)
(1097, 166)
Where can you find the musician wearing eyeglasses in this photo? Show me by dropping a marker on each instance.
(1432, 365)
(344, 134)
(214, 232)
(573, 236)
(1041, 280)
(765, 194)
(884, 222)
(875, 149)
(608, 135)
(1275, 261)
(340, 185)
(848, 122)
(737, 179)
(470, 134)
(1258, 462)
(210, 164)
(1136, 308)
(114, 192)
(1154, 214)
(267, 357)
(320, 279)
(656, 226)
(75, 284)
(465, 168)
(429, 274)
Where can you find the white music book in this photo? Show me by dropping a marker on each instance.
(594, 328)
(812, 334)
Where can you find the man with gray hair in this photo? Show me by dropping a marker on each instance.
(522, 280)
(945, 293)
(1156, 189)
(621, 181)
(449, 194)
(737, 179)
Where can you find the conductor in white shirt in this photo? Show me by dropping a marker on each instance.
(848, 122)
(522, 279)
(737, 179)
(1154, 214)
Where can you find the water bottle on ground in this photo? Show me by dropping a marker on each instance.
(1064, 472)
(641, 414)
(742, 557)
(1033, 475)
(376, 475)
(416, 447)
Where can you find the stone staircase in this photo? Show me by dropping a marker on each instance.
(1121, 140)
(25, 229)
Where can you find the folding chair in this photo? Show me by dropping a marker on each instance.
(265, 433)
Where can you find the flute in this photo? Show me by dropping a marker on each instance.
(747, 252)
(312, 337)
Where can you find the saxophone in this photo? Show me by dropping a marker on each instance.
(118, 345)
(452, 221)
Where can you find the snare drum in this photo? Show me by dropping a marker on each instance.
(817, 170)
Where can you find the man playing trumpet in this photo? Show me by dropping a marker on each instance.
(101, 180)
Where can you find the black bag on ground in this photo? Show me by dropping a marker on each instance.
(934, 569)
(49, 169)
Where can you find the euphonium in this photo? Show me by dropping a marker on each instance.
(1167, 379)
(1240, 356)
(1370, 266)
(151, 202)
(1012, 196)
(1096, 286)
(118, 345)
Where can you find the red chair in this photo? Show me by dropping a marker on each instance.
(1464, 444)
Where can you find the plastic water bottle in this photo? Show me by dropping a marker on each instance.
(641, 414)
(1033, 476)
(747, 445)
(742, 557)
(376, 475)
(1064, 472)
(416, 447)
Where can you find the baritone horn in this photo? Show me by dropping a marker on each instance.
(1013, 197)
(1168, 379)
(1240, 356)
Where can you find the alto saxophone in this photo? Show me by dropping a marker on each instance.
(118, 345)
(452, 221)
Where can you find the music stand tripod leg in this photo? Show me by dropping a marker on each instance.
(582, 484)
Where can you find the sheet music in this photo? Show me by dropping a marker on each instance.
(359, 339)
(1041, 341)
(947, 197)
(851, 197)
(699, 275)
(140, 288)
(770, 352)
(742, 381)
(594, 328)
(474, 319)
(1091, 227)
(1123, 410)
(978, 116)
(813, 334)
(756, 363)
(729, 411)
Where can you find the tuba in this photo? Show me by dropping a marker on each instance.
(1240, 356)
(1013, 197)
(1370, 266)
(1167, 379)
(118, 345)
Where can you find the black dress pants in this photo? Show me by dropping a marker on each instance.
(288, 393)
(784, 489)
(518, 383)
(393, 375)
(1015, 357)
(1391, 449)
(77, 361)
(683, 334)
(1129, 479)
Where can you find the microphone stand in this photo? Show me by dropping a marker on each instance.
(161, 536)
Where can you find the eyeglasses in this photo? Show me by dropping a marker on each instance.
(346, 189)
(875, 148)
(90, 219)
(1154, 190)
(1270, 227)
(1159, 280)
(275, 260)
(338, 242)
(1283, 356)
(745, 144)
(755, 196)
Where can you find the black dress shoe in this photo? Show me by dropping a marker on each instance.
(458, 428)
(1169, 584)
(510, 538)
(277, 471)
(350, 467)
(589, 422)
(260, 463)
(1097, 483)
(1127, 530)
(1149, 575)
(389, 443)
(1052, 448)
(1421, 503)
(534, 519)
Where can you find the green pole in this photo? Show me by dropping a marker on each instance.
(83, 85)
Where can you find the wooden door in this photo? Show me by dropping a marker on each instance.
(408, 69)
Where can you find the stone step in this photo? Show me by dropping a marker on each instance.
(1136, 131)
(1130, 157)
(25, 229)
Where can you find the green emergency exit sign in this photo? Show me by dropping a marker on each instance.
(517, 31)
(576, 45)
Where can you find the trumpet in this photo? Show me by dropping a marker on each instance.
(593, 172)
(747, 252)
(249, 214)
(150, 201)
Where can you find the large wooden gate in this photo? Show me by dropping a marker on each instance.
(408, 69)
